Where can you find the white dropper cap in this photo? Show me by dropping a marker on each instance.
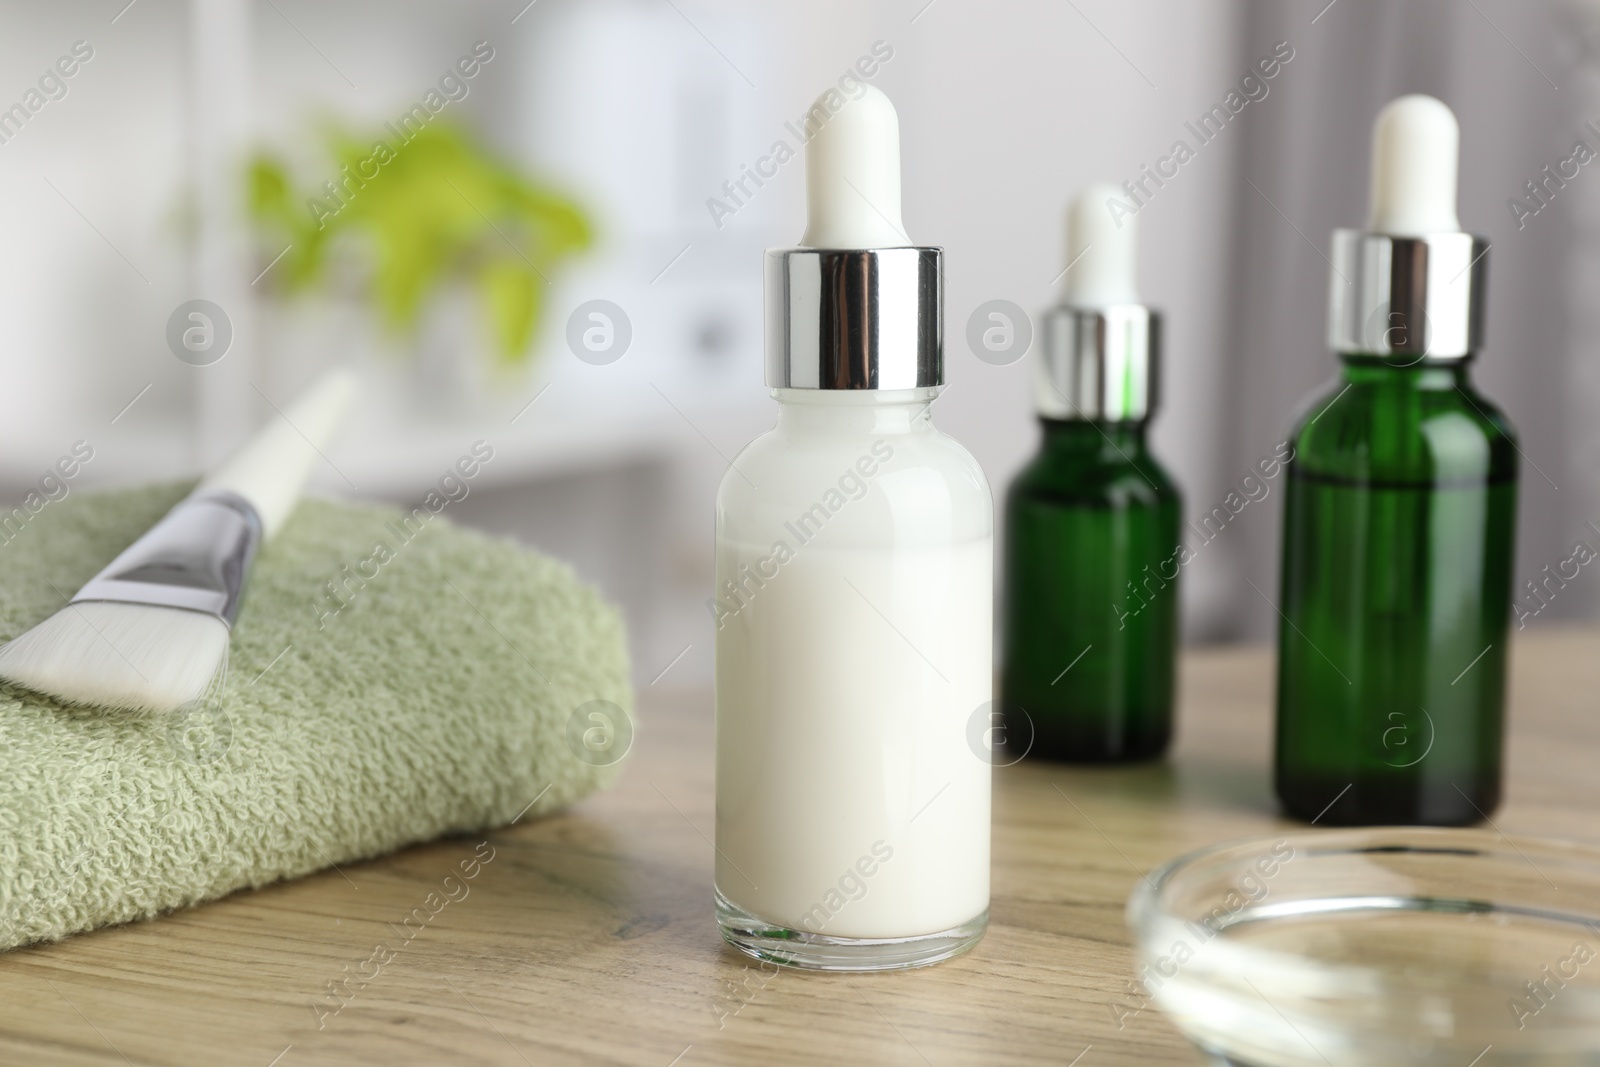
(1101, 252)
(853, 175)
(1416, 150)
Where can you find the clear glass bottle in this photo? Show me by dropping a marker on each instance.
(854, 630)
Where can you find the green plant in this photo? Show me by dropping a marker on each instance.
(421, 214)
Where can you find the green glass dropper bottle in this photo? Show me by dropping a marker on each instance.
(1089, 590)
(1399, 518)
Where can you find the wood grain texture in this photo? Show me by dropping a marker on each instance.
(588, 937)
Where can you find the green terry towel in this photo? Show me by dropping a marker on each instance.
(457, 683)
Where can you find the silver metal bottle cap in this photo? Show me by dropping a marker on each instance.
(1407, 296)
(869, 318)
(1098, 363)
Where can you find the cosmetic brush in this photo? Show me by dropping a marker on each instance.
(150, 631)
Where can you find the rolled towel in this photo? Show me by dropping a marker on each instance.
(393, 678)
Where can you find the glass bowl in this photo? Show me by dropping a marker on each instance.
(1375, 946)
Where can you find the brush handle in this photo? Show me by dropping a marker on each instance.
(271, 468)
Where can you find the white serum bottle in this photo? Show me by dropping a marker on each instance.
(854, 570)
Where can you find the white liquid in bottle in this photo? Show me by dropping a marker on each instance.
(854, 616)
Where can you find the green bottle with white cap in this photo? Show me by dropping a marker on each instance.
(1399, 517)
(1090, 582)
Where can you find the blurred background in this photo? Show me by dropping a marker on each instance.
(228, 151)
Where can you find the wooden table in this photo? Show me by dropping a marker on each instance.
(588, 938)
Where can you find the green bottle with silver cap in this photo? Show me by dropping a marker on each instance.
(1399, 517)
(1089, 595)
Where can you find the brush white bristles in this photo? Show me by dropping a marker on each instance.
(133, 657)
(150, 632)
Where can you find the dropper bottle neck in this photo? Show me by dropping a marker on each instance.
(1394, 371)
(875, 411)
(1092, 438)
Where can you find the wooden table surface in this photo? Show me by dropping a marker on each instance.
(588, 937)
